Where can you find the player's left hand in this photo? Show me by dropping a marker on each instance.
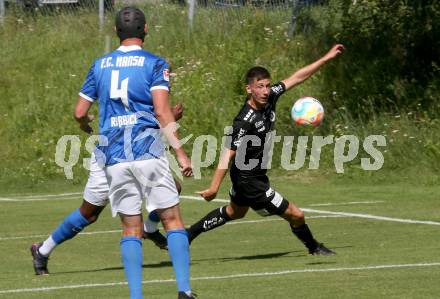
(335, 51)
(207, 194)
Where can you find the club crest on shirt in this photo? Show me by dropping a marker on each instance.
(259, 124)
(277, 89)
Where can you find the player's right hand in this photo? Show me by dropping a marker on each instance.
(185, 165)
(207, 194)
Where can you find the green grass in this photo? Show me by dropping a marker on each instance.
(245, 248)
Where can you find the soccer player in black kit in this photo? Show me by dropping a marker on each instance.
(250, 137)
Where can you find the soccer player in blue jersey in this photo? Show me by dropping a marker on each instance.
(132, 86)
(95, 200)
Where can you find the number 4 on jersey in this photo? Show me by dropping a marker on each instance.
(121, 93)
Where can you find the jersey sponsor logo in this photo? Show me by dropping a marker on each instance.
(127, 61)
(277, 200)
(277, 88)
(269, 192)
(259, 124)
(166, 75)
(237, 142)
(239, 136)
(208, 224)
(248, 115)
(123, 120)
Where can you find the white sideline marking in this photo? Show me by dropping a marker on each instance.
(280, 219)
(74, 195)
(39, 198)
(42, 197)
(52, 195)
(7, 199)
(230, 276)
(198, 198)
(368, 216)
(119, 231)
(345, 203)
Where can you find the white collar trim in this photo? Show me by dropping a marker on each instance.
(129, 48)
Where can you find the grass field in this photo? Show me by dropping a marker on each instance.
(392, 257)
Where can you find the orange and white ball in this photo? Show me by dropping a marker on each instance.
(308, 111)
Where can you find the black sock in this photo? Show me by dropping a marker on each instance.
(212, 220)
(305, 235)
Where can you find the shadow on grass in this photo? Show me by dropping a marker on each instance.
(283, 254)
(120, 268)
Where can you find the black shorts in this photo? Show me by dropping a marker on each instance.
(256, 193)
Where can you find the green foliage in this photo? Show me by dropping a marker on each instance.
(392, 58)
(44, 59)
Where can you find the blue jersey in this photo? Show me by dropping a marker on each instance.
(122, 82)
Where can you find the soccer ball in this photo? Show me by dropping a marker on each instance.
(308, 111)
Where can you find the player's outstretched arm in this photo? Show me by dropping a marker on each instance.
(168, 125)
(222, 168)
(81, 115)
(304, 73)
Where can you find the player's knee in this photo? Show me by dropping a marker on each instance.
(92, 218)
(90, 211)
(133, 232)
(294, 214)
(171, 221)
(298, 214)
(132, 226)
(235, 213)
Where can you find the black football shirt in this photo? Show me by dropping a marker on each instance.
(251, 133)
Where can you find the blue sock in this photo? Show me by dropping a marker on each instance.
(178, 249)
(71, 226)
(153, 216)
(131, 251)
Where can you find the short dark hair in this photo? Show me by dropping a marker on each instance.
(130, 22)
(256, 73)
